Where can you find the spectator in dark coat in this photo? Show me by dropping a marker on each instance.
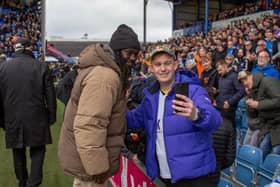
(29, 104)
(230, 91)
(254, 125)
(267, 103)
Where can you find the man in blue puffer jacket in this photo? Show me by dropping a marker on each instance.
(179, 145)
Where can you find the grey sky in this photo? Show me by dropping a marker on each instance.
(73, 18)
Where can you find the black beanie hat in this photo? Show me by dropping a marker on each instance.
(124, 37)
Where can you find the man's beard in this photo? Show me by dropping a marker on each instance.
(125, 67)
(130, 64)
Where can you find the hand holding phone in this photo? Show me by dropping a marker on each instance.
(182, 104)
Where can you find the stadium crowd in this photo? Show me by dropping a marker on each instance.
(241, 41)
(244, 9)
(23, 20)
(20, 20)
(59, 69)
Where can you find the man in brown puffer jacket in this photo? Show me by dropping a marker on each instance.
(94, 123)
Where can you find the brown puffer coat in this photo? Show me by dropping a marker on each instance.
(94, 123)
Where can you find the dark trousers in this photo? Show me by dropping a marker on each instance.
(196, 182)
(37, 155)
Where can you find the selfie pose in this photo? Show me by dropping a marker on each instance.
(178, 126)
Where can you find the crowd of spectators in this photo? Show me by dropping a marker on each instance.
(20, 20)
(241, 42)
(244, 9)
(59, 69)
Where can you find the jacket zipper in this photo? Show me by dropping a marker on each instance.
(164, 137)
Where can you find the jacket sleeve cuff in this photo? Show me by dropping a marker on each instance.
(95, 160)
(198, 115)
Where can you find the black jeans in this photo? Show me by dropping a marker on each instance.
(202, 181)
(37, 155)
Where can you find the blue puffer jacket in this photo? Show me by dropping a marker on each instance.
(188, 144)
(268, 70)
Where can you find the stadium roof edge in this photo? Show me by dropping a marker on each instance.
(61, 39)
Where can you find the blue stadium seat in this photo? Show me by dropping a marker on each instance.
(225, 183)
(267, 169)
(248, 162)
(228, 171)
(238, 145)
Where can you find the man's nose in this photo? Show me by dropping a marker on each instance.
(162, 67)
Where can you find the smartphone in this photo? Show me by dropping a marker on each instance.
(182, 88)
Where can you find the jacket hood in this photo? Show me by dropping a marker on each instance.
(98, 55)
(257, 78)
